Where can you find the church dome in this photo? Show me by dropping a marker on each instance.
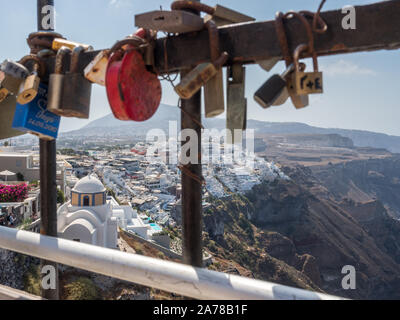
(89, 184)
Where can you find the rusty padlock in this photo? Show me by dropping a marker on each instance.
(76, 90)
(134, 93)
(205, 72)
(56, 82)
(175, 21)
(236, 116)
(214, 102)
(96, 70)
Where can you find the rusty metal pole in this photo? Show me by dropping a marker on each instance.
(48, 170)
(191, 188)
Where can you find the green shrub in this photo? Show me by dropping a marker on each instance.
(81, 289)
(32, 281)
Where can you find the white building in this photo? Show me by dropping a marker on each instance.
(88, 217)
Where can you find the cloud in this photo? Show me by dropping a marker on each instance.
(344, 67)
(120, 3)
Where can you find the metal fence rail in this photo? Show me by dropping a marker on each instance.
(164, 275)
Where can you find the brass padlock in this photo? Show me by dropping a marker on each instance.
(199, 76)
(76, 90)
(3, 94)
(305, 83)
(56, 82)
(176, 21)
(223, 16)
(236, 116)
(58, 43)
(13, 75)
(29, 88)
(192, 82)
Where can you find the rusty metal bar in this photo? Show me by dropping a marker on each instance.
(378, 28)
(48, 165)
(192, 188)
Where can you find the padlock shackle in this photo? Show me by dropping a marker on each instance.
(38, 66)
(191, 5)
(76, 54)
(61, 54)
(134, 41)
(301, 48)
(217, 58)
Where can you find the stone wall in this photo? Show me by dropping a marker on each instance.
(13, 266)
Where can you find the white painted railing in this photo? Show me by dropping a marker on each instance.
(164, 275)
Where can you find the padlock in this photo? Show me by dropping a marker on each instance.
(76, 92)
(267, 65)
(56, 82)
(134, 93)
(14, 69)
(205, 72)
(112, 80)
(214, 102)
(35, 118)
(236, 116)
(283, 97)
(58, 43)
(175, 21)
(29, 88)
(3, 94)
(223, 16)
(305, 83)
(199, 76)
(96, 70)
(7, 112)
(13, 75)
(140, 89)
(273, 88)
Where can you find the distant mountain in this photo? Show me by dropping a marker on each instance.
(109, 126)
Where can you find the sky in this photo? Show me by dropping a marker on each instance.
(361, 90)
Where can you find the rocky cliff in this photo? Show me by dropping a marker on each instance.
(304, 231)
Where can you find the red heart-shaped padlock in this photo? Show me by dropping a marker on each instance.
(113, 87)
(141, 89)
(133, 92)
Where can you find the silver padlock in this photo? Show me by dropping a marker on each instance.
(236, 117)
(13, 75)
(56, 82)
(77, 90)
(272, 90)
(175, 21)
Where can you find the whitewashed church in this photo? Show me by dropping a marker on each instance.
(88, 217)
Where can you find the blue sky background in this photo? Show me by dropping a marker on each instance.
(362, 90)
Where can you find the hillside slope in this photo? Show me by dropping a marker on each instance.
(284, 233)
(168, 113)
